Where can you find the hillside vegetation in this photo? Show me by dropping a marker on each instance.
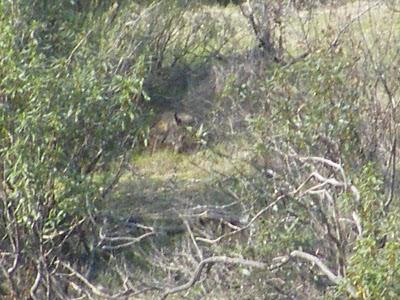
(199, 149)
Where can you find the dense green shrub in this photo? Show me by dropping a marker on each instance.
(302, 156)
(66, 112)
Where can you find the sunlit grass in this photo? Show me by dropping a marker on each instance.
(351, 25)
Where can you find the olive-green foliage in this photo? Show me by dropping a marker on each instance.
(374, 268)
(62, 105)
(317, 107)
(312, 102)
(66, 111)
(72, 77)
(71, 92)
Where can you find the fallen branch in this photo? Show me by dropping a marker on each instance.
(212, 260)
(336, 279)
(259, 214)
(127, 241)
(199, 252)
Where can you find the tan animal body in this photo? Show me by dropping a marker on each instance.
(169, 131)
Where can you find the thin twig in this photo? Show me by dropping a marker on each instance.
(199, 253)
(84, 280)
(393, 177)
(77, 47)
(131, 241)
(335, 42)
(37, 281)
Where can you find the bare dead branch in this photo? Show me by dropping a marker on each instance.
(316, 175)
(229, 234)
(357, 220)
(330, 163)
(199, 252)
(129, 241)
(93, 289)
(212, 260)
(37, 281)
(336, 279)
(393, 175)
